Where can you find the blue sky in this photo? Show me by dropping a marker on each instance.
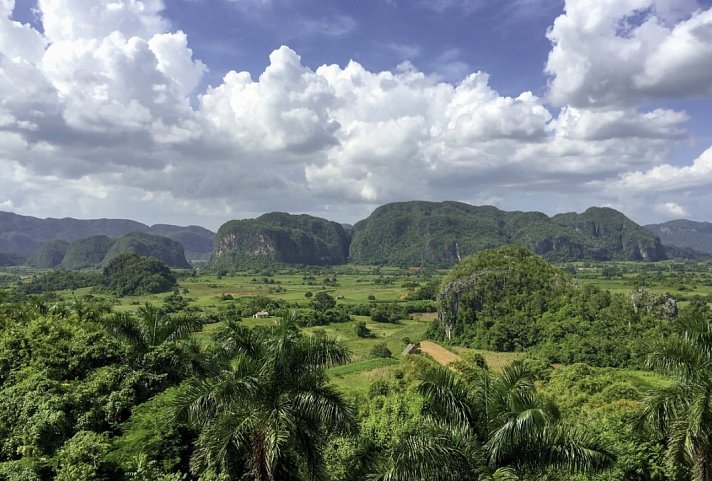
(506, 39)
(199, 111)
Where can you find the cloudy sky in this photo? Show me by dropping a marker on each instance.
(200, 111)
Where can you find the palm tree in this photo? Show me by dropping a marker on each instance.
(161, 344)
(682, 411)
(270, 411)
(494, 427)
(150, 327)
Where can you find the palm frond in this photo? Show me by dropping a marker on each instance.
(329, 407)
(447, 398)
(125, 327)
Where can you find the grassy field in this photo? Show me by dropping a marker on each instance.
(354, 287)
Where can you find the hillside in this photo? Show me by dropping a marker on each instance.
(280, 238)
(441, 233)
(164, 249)
(684, 233)
(21, 236)
(49, 255)
(197, 241)
(89, 252)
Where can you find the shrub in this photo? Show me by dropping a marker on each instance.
(362, 330)
(381, 350)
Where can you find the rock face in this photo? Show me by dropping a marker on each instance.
(660, 305)
(164, 249)
(279, 238)
(685, 234)
(441, 233)
(496, 288)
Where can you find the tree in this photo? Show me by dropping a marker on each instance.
(682, 411)
(160, 343)
(362, 330)
(270, 411)
(322, 301)
(487, 426)
(129, 274)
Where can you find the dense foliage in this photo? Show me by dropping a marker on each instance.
(192, 388)
(59, 280)
(439, 234)
(129, 275)
(88, 252)
(279, 238)
(509, 299)
(49, 255)
(164, 249)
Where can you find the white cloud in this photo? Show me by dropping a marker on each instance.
(671, 209)
(618, 52)
(66, 20)
(95, 115)
(670, 178)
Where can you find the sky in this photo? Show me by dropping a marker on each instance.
(201, 111)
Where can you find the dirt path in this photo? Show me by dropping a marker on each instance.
(439, 353)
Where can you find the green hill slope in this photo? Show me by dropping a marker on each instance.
(87, 252)
(441, 233)
(279, 238)
(50, 254)
(197, 241)
(164, 249)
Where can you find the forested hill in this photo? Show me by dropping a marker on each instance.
(280, 238)
(402, 234)
(684, 233)
(440, 233)
(97, 251)
(21, 236)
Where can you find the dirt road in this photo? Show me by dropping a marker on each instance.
(439, 353)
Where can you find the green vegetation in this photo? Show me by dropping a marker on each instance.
(508, 299)
(88, 252)
(279, 238)
(130, 275)
(682, 411)
(187, 385)
(164, 249)
(49, 255)
(440, 233)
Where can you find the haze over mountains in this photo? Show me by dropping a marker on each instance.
(685, 234)
(23, 235)
(413, 233)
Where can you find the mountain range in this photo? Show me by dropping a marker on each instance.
(685, 234)
(416, 233)
(22, 236)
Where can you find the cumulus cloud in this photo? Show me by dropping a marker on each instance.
(670, 178)
(96, 116)
(619, 52)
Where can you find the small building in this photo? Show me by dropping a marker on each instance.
(261, 315)
(411, 349)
